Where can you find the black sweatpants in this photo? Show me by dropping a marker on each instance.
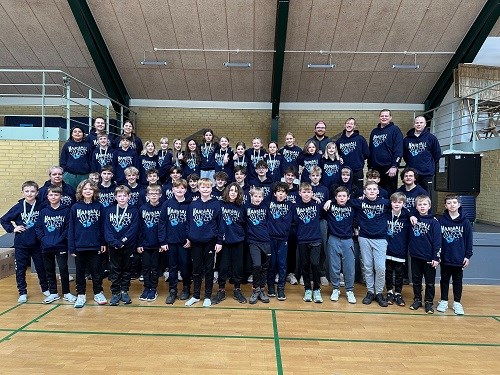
(231, 259)
(420, 268)
(396, 270)
(309, 254)
(49, 262)
(456, 274)
(89, 259)
(120, 265)
(203, 256)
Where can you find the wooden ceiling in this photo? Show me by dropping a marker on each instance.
(44, 35)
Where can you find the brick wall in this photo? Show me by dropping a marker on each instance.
(488, 208)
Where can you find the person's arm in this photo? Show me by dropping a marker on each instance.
(467, 243)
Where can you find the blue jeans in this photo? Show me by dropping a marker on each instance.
(277, 264)
(22, 256)
(340, 252)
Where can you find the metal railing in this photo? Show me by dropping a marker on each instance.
(55, 93)
(470, 123)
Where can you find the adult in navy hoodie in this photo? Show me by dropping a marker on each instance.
(421, 150)
(21, 220)
(353, 150)
(68, 196)
(425, 249)
(76, 157)
(456, 248)
(386, 151)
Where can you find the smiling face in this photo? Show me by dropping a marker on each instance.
(371, 191)
(56, 176)
(272, 148)
(419, 124)
(256, 144)
(320, 129)
(164, 144)
(77, 134)
(224, 142)
(385, 118)
(350, 125)
(311, 148)
(150, 148)
(409, 178)
(306, 195)
(128, 128)
(177, 145)
(256, 198)
(289, 140)
(99, 125)
(30, 193)
(240, 150)
(87, 192)
(192, 146)
(232, 193)
(397, 205)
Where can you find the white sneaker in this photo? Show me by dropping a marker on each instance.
(350, 296)
(100, 299)
(69, 297)
(442, 306)
(301, 281)
(165, 275)
(51, 298)
(335, 295)
(324, 281)
(46, 293)
(179, 277)
(80, 301)
(458, 309)
(191, 301)
(342, 282)
(216, 278)
(293, 279)
(317, 296)
(23, 298)
(207, 302)
(250, 279)
(70, 278)
(141, 278)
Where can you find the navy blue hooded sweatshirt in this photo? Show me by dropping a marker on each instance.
(233, 217)
(207, 155)
(257, 218)
(122, 159)
(165, 162)
(398, 232)
(290, 158)
(146, 163)
(425, 238)
(219, 162)
(107, 195)
(330, 174)
(372, 217)
(457, 239)
(148, 231)
(76, 157)
(274, 172)
(353, 190)
(353, 150)
(411, 195)
(306, 217)
(101, 158)
(205, 221)
(308, 161)
(52, 228)
(280, 219)
(422, 152)
(21, 215)
(68, 196)
(340, 220)
(386, 146)
(172, 228)
(121, 226)
(86, 227)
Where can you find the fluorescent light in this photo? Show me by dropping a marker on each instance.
(144, 62)
(405, 66)
(229, 64)
(321, 66)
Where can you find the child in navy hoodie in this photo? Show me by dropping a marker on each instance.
(21, 220)
(231, 255)
(102, 154)
(280, 222)
(306, 216)
(148, 244)
(205, 233)
(86, 241)
(207, 155)
(371, 214)
(410, 189)
(52, 231)
(257, 214)
(147, 160)
(124, 157)
(456, 250)
(121, 230)
(172, 232)
(425, 248)
(76, 156)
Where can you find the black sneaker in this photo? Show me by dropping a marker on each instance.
(238, 296)
(126, 298)
(369, 298)
(263, 296)
(144, 295)
(185, 294)
(381, 300)
(390, 298)
(399, 300)
(416, 305)
(219, 297)
(172, 296)
(281, 294)
(115, 300)
(271, 292)
(255, 296)
(406, 281)
(428, 308)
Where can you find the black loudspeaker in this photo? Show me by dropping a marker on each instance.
(459, 173)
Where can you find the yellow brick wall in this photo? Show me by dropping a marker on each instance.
(21, 161)
(488, 208)
(243, 125)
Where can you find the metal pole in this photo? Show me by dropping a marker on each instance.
(68, 104)
(121, 119)
(474, 122)
(452, 125)
(107, 118)
(43, 103)
(90, 110)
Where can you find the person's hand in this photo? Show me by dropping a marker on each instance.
(327, 205)
(187, 245)
(392, 172)
(465, 263)
(19, 229)
(218, 248)
(434, 263)
(163, 248)
(140, 249)
(103, 249)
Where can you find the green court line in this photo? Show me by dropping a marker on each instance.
(28, 324)
(277, 349)
(9, 310)
(409, 313)
(392, 342)
(496, 318)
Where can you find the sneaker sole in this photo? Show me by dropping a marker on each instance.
(48, 302)
(101, 303)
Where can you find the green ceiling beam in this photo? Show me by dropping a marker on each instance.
(101, 56)
(278, 62)
(466, 52)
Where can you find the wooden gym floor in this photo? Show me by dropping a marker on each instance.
(290, 337)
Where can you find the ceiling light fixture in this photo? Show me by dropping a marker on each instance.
(235, 64)
(407, 66)
(152, 62)
(323, 66)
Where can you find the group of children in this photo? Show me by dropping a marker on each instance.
(244, 209)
